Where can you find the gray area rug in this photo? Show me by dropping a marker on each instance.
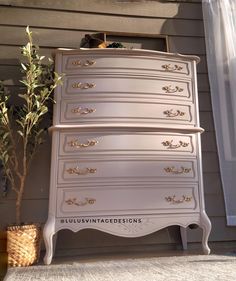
(174, 268)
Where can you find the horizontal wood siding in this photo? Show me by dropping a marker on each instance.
(164, 9)
(71, 22)
(62, 24)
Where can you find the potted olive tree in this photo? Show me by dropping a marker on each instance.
(21, 133)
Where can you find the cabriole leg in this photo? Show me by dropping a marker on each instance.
(183, 233)
(48, 233)
(205, 224)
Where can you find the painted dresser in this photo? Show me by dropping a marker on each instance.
(126, 152)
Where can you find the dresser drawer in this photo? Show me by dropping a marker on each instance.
(80, 170)
(130, 200)
(107, 61)
(84, 112)
(126, 86)
(126, 143)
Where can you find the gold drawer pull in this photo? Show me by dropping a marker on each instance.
(87, 201)
(83, 111)
(83, 86)
(175, 171)
(169, 89)
(83, 63)
(80, 172)
(169, 67)
(172, 113)
(171, 199)
(77, 144)
(170, 145)
(89, 62)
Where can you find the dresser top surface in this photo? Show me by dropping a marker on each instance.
(127, 52)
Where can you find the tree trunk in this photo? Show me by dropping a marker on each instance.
(18, 209)
(19, 200)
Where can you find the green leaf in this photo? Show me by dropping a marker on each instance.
(23, 66)
(37, 103)
(28, 47)
(5, 135)
(20, 133)
(23, 96)
(25, 83)
(6, 158)
(20, 123)
(27, 30)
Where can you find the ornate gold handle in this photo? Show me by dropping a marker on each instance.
(175, 171)
(169, 89)
(83, 63)
(171, 199)
(169, 67)
(80, 172)
(73, 201)
(172, 113)
(170, 144)
(77, 144)
(83, 86)
(83, 111)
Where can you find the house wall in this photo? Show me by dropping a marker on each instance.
(58, 23)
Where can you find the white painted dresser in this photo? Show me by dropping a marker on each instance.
(126, 153)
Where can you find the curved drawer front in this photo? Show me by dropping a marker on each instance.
(126, 143)
(70, 171)
(113, 200)
(126, 86)
(123, 64)
(123, 112)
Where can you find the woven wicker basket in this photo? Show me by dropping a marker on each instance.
(23, 244)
